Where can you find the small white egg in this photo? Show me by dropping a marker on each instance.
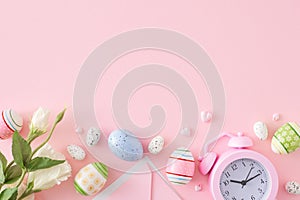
(76, 152)
(206, 116)
(156, 144)
(275, 116)
(185, 131)
(260, 129)
(93, 136)
(198, 188)
(79, 130)
(292, 187)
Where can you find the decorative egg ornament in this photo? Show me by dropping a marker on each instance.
(91, 179)
(260, 129)
(181, 167)
(76, 152)
(286, 139)
(93, 136)
(206, 116)
(156, 145)
(292, 187)
(125, 145)
(240, 173)
(10, 121)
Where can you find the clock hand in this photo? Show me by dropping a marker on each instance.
(252, 178)
(249, 173)
(245, 181)
(234, 181)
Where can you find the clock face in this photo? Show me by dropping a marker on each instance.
(244, 179)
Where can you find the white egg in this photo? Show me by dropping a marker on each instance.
(292, 187)
(185, 131)
(156, 144)
(275, 116)
(79, 130)
(76, 152)
(93, 136)
(198, 188)
(260, 129)
(206, 116)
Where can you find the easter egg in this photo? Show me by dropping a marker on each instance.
(125, 145)
(286, 139)
(206, 116)
(185, 131)
(10, 121)
(91, 179)
(93, 136)
(76, 152)
(292, 187)
(156, 145)
(181, 166)
(260, 129)
(276, 116)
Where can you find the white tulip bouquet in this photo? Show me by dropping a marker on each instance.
(32, 170)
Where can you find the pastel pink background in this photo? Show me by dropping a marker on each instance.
(255, 46)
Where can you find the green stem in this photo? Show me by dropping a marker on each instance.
(48, 138)
(23, 196)
(22, 178)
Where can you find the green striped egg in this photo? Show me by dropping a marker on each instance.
(286, 139)
(91, 179)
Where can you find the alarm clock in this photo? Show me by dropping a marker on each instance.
(240, 173)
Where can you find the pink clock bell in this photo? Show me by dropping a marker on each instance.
(240, 173)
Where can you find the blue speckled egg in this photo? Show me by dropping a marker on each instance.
(125, 145)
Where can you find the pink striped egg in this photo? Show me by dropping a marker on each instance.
(10, 121)
(181, 166)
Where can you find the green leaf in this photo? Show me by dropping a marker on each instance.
(2, 177)
(21, 150)
(3, 160)
(13, 174)
(42, 163)
(60, 116)
(9, 194)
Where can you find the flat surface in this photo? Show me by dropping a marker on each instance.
(255, 46)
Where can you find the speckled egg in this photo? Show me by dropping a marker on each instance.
(125, 145)
(91, 179)
(286, 139)
(10, 121)
(181, 166)
(93, 136)
(260, 129)
(76, 152)
(292, 187)
(156, 144)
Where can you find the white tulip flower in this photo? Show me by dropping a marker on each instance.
(40, 120)
(47, 178)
